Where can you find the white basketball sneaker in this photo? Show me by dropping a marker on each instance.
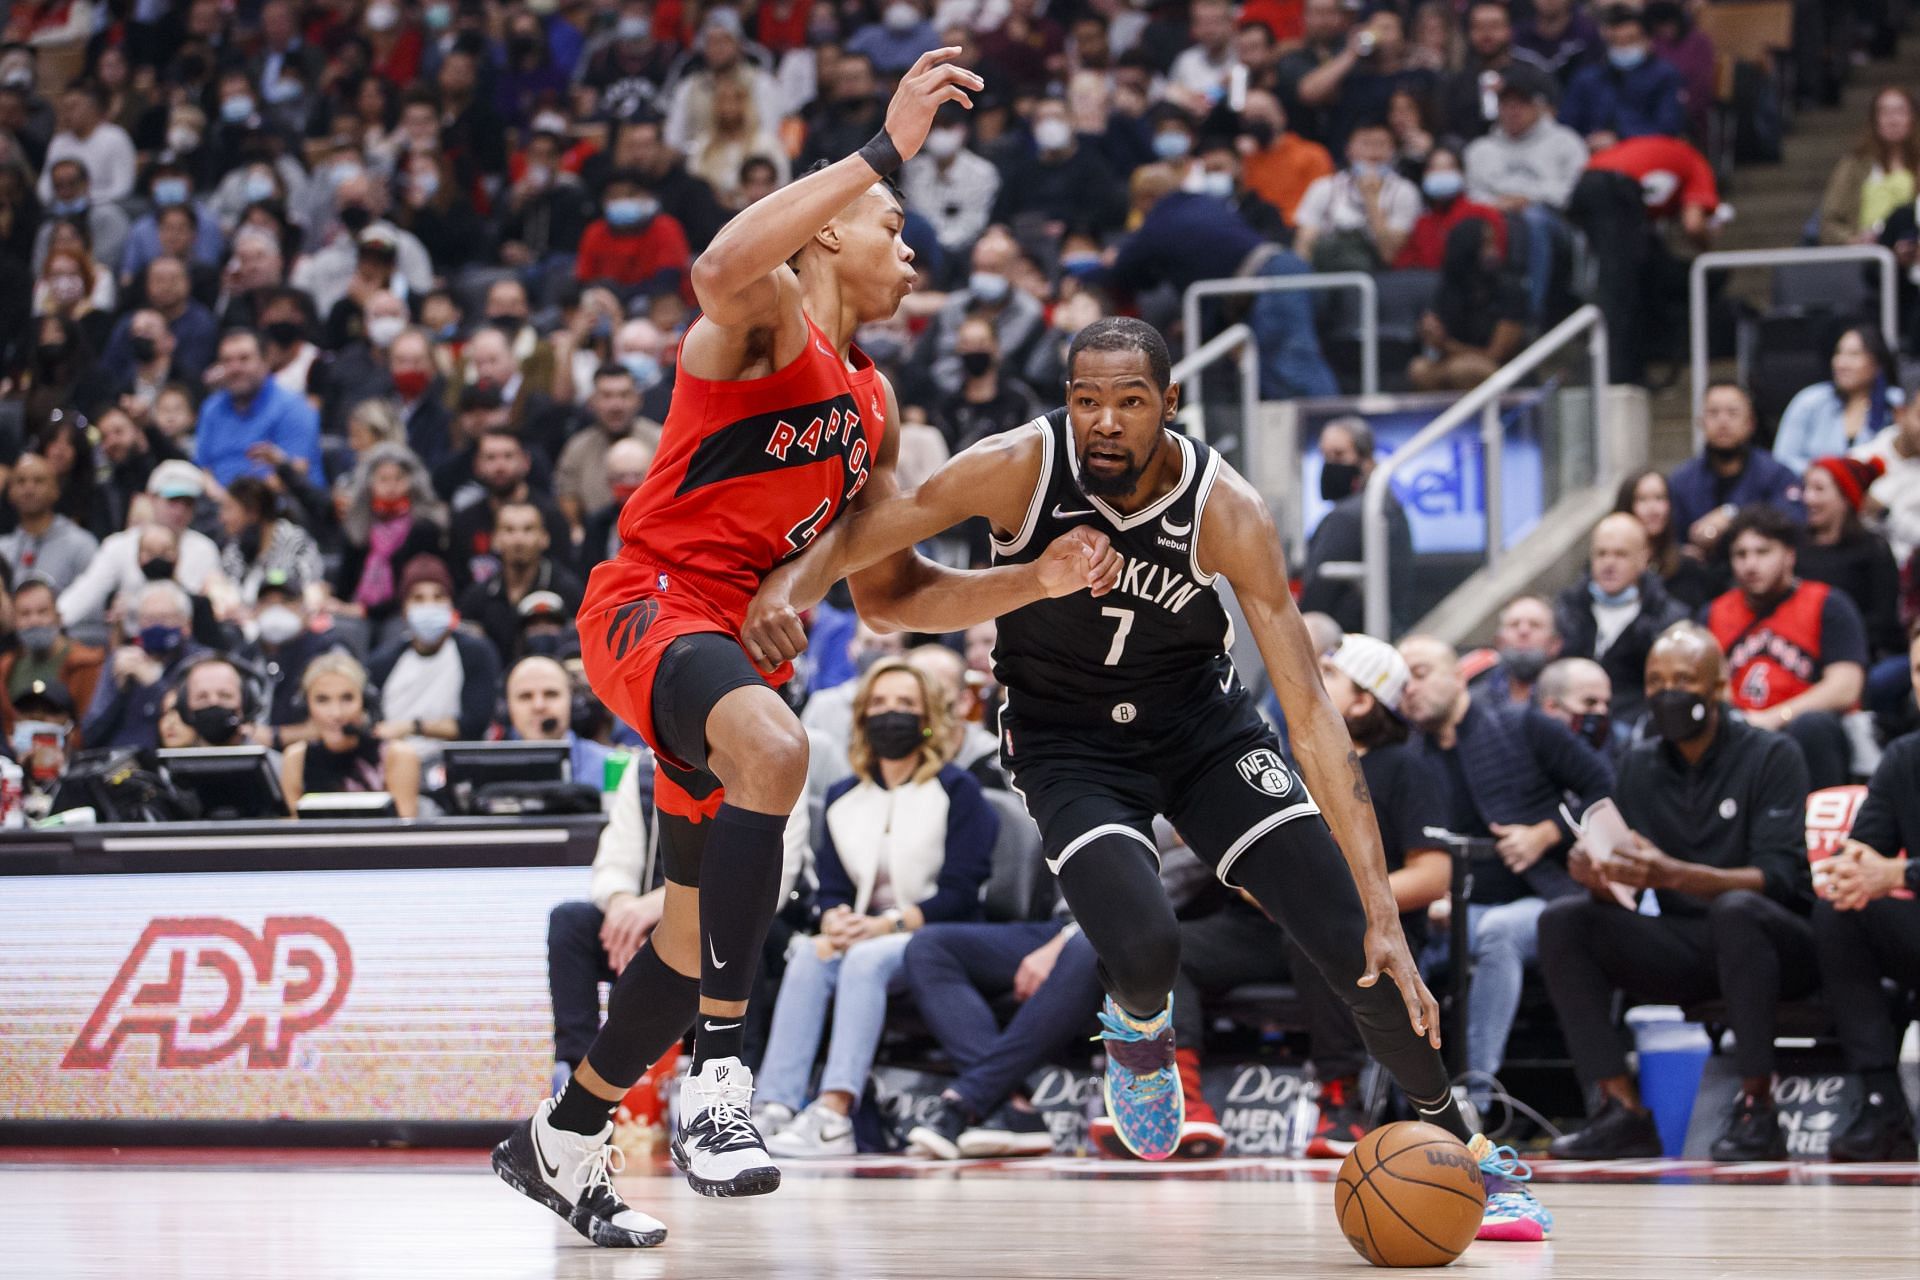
(817, 1132)
(572, 1174)
(716, 1145)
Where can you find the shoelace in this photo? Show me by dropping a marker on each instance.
(605, 1161)
(731, 1120)
(1143, 1086)
(1505, 1162)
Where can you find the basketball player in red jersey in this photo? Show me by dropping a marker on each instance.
(778, 424)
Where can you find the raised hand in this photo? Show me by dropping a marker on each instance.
(930, 82)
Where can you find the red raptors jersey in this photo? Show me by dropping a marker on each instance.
(1774, 658)
(748, 473)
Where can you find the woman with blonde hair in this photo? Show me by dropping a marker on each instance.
(344, 754)
(734, 132)
(909, 842)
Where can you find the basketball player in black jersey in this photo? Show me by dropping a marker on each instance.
(1126, 705)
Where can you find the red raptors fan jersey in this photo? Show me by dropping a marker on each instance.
(1773, 658)
(748, 473)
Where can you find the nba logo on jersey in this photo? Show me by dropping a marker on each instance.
(1263, 770)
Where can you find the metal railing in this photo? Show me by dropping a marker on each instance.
(1483, 400)
(1193, 409)
(1239, 286)
(1728, 259)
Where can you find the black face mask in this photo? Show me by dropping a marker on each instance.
(144, 349)
(158, 570)
(50, 354)
(1679, 715)
(249, 543)
(356, 218)
(1595, 726)
(217, 726)
(1261, 131)
(1337, 480)
(976, 362)
(285, 333)
(1525, 665)
(895, 735)
(545, 644)
(1723, 454)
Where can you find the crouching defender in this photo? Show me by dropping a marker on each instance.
(1126, 705)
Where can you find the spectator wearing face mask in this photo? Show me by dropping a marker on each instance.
(1018, 319)
(437, 681)
(151, 348)
(419, 391)
(539, 696)
(362, 370)
(952, 185)
(1443, 184)
(988, 401)
(44, 655)
(1359, 218)
(633, 244)
(393, 518)
(359, 204)
(125, 711)
(73, 201)
(121, 567)
(1632, 94)
(42, 734)
(1061, 181)
(341, 751)
(212, 703)
(627, 461)
(1346, 460)
(1525, 641)
(283, 645)
(1279, 164)
(1615, 613)
(1577, 693)
(526, 566)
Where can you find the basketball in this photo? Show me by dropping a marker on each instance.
(1409, 1195)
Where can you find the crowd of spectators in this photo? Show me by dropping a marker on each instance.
(333, 336)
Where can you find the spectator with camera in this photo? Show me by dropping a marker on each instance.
(341, 751)
(1614, 614)
(1796, 650)
(1716, 809)
(1866, 929)
(1507, 771)
(908, 842)
(41, 736)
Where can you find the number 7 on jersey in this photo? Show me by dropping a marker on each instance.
(1120, 634)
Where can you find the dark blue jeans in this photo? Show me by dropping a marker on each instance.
(955, 971)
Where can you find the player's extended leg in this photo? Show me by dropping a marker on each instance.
(1296, 874)
(1112, 882)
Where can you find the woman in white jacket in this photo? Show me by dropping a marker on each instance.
(908, 841)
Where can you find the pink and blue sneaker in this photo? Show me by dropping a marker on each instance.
(1512, 1211)
(1142, 1085)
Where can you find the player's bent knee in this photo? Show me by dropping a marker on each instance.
(758, 750)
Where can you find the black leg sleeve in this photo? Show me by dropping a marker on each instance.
(1113, 886)
(650, 1007)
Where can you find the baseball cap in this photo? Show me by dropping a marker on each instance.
(1528, 81)
(50, 694)
(1374, 666)
(176, 479)
(543, 606)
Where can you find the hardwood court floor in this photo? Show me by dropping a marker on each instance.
(216, 1215)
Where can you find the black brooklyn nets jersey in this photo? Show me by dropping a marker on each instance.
(1157, 642)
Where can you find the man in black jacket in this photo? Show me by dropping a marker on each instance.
(1615, 613)
(1717, 809)
(1508, 769)
(1867, 929)
(1346, 460)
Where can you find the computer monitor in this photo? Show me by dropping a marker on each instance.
(230, 782)
(472, 766)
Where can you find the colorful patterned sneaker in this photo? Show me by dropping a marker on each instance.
(1142, 1085)
(1512, 1211)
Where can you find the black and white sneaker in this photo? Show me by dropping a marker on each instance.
(572, 1174)
(716, 1145)
(938, 1136)
(1008, 1132)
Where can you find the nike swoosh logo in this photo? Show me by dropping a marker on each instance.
(719, 1026)
(1059, 514)
(1177, 530)
(1226, 684)
(1438, 1111)
(718, 963)
(552, 1169)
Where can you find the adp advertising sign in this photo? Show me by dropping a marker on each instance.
(404, 995)
(1444, 490)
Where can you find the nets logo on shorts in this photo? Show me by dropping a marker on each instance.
(1264, 770)
(208, 989)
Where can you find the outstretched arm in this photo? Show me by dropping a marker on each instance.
(1238, 541)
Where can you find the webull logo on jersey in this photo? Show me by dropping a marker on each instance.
(1157, 584)
(208, 989)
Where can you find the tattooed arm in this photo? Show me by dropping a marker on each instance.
(1238, 541)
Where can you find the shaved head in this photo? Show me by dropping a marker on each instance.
(1688, 655)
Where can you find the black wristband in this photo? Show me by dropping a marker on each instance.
(1913, 874)
(881, 155)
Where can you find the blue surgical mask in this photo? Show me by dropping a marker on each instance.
(235, 110)
(1080, 264)
(988, 286)
(1217, 184)
(1368, 169)
(429, 622)
(1172, 145)
(74, 208)
(644, 368)
(1626, 595)
(159, 640)
(259, 186)
(169, 191)
(1443, 184)
(1629, 58)
(631, 212)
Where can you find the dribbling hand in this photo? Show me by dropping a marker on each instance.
(1387, 953)
(1081, 558)
(929, 82)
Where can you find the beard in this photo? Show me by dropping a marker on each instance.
(1120, 483)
